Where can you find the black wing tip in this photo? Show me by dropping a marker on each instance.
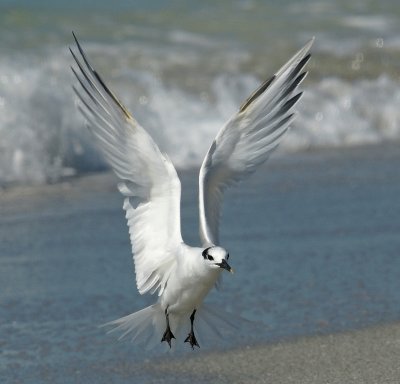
(264, 86)
(95, 74)
(73, 71)
(298, 80)
(302, 76)
(75, 38)
(80, 49)
(292, 101)
(304, 60)
(257, 93)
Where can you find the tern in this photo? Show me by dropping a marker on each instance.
(180, 274)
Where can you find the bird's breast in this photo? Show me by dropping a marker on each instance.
(185, 292)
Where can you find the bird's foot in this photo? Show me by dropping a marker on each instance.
(168, 336)
(192, 340)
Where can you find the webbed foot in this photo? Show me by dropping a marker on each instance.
(192, 340)
(168, 336)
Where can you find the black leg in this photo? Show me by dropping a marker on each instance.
(191, 337)
(168, 335)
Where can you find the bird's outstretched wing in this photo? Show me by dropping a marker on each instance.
(247, 139)
(149, 181)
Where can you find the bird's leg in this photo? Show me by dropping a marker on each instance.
(191, 337)
(168, 335)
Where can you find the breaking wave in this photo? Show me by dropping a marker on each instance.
(43, 138)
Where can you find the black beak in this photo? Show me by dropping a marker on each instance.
(225, 265)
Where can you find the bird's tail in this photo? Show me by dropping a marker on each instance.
(144, 327)
(147, 326)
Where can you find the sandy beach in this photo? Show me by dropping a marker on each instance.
(368, 356)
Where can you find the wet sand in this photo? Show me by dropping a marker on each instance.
(369, 356)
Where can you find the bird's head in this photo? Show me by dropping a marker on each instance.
(216, 257)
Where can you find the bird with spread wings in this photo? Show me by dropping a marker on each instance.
(179, 274)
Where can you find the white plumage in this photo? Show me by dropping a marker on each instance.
(182, 275)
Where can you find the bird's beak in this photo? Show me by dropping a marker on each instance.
(225, 265)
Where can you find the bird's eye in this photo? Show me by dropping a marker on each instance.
(227, 256)
(205, 252)
(210, 257)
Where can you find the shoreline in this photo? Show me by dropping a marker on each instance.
(367, 356)
(384, 150)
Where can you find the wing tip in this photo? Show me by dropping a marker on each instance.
(309, 43)
(94, 73)
(303, 53)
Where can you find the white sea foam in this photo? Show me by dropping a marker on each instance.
(376, 23)
(43, 137)
(335, 112)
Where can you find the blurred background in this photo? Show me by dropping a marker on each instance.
(183, 67)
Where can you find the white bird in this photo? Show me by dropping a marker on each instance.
(182, 275)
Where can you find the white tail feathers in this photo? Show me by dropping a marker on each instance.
(146, 327)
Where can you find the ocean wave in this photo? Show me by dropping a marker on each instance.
(335, 112)
(43, 138)
(376, 23)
